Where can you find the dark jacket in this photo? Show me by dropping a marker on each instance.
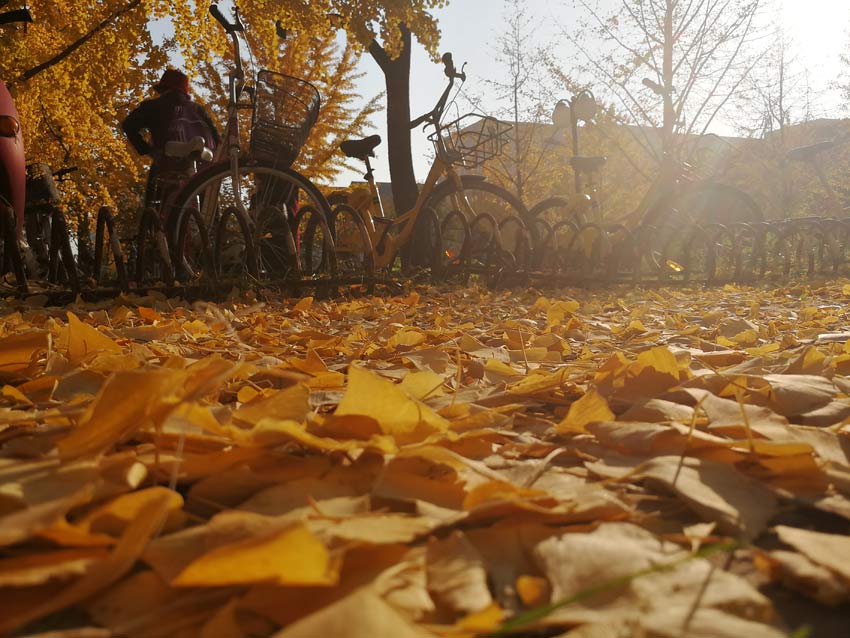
(156, 116)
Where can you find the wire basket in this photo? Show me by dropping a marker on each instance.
(475, 138)
(285, 109)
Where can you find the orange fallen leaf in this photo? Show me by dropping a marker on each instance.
(293, 556)
(396, 413)
(590, 408)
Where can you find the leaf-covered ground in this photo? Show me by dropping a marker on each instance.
(661, 462)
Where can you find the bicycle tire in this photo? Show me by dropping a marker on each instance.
(485, 198)
(261, 186)
(428, 230)
(277, 254)
(313, 233)
(152, 254)
(106, 224)
(702, 203)
(12, 259)
(557, 209)
(491, 198)
(454, 232)
(352, 243)
(65, 270)
(229, 239)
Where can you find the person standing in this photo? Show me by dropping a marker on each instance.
(171, 116)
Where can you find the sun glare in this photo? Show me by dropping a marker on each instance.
(818, 26)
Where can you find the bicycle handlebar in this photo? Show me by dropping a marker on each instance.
(433, 116)
(229, 27)
(449, 70)
(232, 29)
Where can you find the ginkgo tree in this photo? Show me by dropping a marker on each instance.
(384, 29)
(71, 72)
(318, 57)
(80, 67)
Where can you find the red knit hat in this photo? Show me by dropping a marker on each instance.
(172, 79)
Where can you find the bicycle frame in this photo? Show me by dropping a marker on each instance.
(388, 238)
(230, 149)
(394, 234)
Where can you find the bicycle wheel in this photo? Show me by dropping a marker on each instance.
(483, 197)
(315, 244)
(108, 260)
(11, 260)
(233, 255)
(516, 240)
(484, 241)
(454, 231)
(256, 188)
(702, 203)
(560, 209)
(275, 245)
(429, 237)
(153, 261)
(353, 245)
(63, 265)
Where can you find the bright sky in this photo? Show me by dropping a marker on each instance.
(818, 28)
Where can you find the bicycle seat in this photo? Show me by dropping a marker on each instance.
(196, 148)
(806, 153)
(360, 149)
(587, 164)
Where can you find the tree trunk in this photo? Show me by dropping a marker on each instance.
(667, 73)
(520, 191)
(397, 76)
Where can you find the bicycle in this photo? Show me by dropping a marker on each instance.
(240, 215)
(454, 222)
(816, 244)
(48, 249)
(680, 215)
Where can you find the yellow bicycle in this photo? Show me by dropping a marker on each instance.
(457, 220)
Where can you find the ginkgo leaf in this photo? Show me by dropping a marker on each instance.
(590, 408)
(293, 556)
(423, 384)
(395, 412)
(291, 403)
(456, 575)
(362, 614)
(312, 495)
(83, 340)
(127, 401)
(829, 550)
(106, 572)
(114, 517)
(17, 350)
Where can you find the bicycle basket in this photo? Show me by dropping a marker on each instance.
(285, 109)
(475, 138)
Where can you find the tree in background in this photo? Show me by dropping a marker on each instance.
(81, 66)
(526, 97)
(72, 72)
(772, 101)
(386, 30)
(668, 64)
(317, 57)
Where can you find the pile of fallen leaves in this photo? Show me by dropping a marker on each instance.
(451, 463)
